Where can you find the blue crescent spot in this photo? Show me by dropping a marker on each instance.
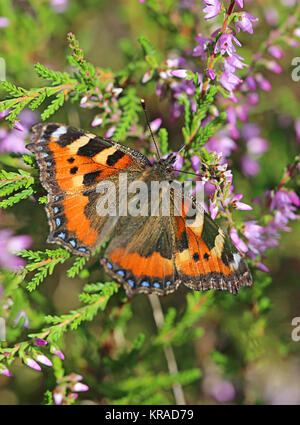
(168, 283)
(56, 198)
(156, 285)
(131, 282)
(109, 265)
(49, 163)
(45, 154)
(121, 273)
(82, 249)
(58, 222)
(55, 210)
(145, 283)
(229, 283)
(62, 235)
(72, 242)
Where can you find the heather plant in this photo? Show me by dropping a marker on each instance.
(218, 77)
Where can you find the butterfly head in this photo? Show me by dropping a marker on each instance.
(166, 164)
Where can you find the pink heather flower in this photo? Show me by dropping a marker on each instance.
(274, 67)
(262, 267)
(96, 121)
(212, 8)
(195, 160)
(179, 73)
(297, 32)
(244, 22)
(263, 82)
(221, 143)
(4, 22)
(59, 353)
(39, 341)
(200, 49)
(110, 131)
(272, 16)
(297, 129)
(6, 372)
(79, 387)
(44, 360)
(239, 3)
(225, 44)
(223, 391)
(251, 82)
(250, 167)
(58, 397)
(59, 6)
(276, 52)
(155, 124)
(257, 145)
(239, 243)
(33, 364)
(229, 81)
(9, 245)
(233, 62)
(211, 74)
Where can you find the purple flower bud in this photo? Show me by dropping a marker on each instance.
(39, 341)
(274, 67)
(239, 243)
(155, 124)
(242, 206)
(211, 74)
(59, 354)
(195, 160)
(179, 73)
(263, 82)
(4, 371)
(96, 121)
(223, 391)
(239, 3)
(79, 387)
(33, 364)
(4, 22)
(276, 52)
(18, 126)
(272, 16)
(44, 360)
(257, 145)
(213, 209)
(249, 166)
(262, 267)
(110, 131)
(297, 129)
(58, 397)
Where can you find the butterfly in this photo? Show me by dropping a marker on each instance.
(146, 254)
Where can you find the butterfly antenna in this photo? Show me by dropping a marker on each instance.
(148, 123)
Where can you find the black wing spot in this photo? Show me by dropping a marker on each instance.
(196, 257)
(91, 149)
(71, 160)
(70, 136)
(90, 178)
(206, 256)
(74, 170)
(114, 158)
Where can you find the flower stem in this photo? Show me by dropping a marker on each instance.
(168, 350)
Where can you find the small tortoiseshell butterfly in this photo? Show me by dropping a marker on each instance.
(147, 254)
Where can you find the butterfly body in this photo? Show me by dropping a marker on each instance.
(147, 253)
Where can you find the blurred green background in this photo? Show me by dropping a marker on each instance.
(245, 352)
